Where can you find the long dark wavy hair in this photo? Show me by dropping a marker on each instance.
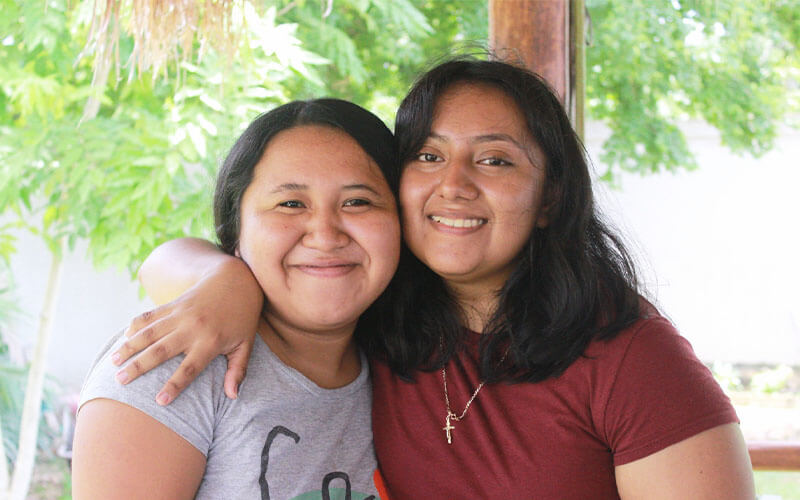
(573, 282)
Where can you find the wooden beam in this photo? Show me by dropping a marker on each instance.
(775, 455)
(537, 33)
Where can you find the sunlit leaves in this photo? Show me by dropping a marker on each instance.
(41, 28)
(731, 63)
(278, 40)
(403, 15)
(141, 171)
(375, 47)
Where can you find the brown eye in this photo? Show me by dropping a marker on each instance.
(292, 204)
(495, 161)
(357, 202)
(428, 157)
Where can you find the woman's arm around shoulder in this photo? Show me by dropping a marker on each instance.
(713, 464)
(216, 312)
(119, 452)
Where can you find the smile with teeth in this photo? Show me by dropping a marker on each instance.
(458, 223)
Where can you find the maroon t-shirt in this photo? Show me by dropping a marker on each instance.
(559, 439)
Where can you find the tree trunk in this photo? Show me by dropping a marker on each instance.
(31, 409)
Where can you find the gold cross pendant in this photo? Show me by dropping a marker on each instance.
(447, 427)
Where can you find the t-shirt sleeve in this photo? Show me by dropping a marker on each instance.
(661, 394)
(191, 415)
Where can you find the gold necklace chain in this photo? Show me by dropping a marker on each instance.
(452, 416)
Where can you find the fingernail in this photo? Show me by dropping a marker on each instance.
(122, 377)
(115, 358)
(162, 398)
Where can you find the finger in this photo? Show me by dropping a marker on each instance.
(146, 360)
(143, 338)
(237, 369)
(143, 320)
(188, 370)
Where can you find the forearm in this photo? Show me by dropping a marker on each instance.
(177, 265)
(209, 304)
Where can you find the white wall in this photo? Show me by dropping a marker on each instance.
(720, 247)
(91, 307)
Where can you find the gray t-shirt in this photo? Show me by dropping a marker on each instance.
(283, 438)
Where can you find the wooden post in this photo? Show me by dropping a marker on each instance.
(536, 32)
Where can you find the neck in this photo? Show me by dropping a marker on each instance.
(330, 359)
(477, 304)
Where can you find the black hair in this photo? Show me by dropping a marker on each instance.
(237, 170)
(573, 281)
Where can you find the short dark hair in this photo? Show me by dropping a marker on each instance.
(236, 172)
(574, 280)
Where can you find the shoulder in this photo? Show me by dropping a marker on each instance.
(648, 357)
(102, 376)
(191, 415)
(652, 335)
(650, 390)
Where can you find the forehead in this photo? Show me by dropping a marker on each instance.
(481, 113)
(480, 108)
(315, 153)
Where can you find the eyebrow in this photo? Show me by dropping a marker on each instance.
(366, 187)
(478, 139)
(292, 186)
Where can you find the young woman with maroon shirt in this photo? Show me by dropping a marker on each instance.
(517, 359)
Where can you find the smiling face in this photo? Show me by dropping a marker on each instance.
(472, 196)
(319, 229)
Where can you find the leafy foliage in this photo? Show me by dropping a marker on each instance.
(378, 47)
(732, 63)
(141, 171)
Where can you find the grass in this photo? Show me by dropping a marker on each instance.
(774, 485)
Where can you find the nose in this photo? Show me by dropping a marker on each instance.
(456, 182)
(325, 231)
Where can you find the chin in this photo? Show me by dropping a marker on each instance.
(449, 268)
(328, 318)
(322, 325)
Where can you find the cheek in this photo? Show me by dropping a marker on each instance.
(381, 240)
(264, 242)
(413, 187)
(517, 219)
(412, 209)
(523, 197)
(378, 237)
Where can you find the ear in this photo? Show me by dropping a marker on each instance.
(543, 216)
(236, 252)
(550, 200)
